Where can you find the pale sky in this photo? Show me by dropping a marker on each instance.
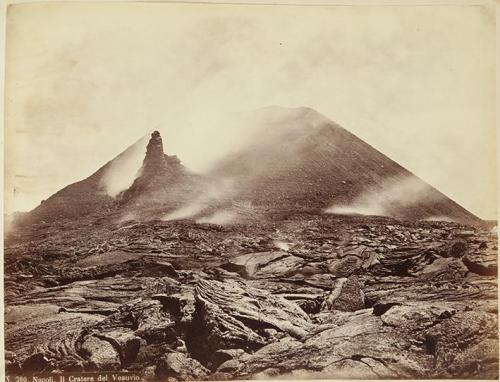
(86, 80)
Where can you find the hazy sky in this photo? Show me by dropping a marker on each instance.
(84, 81)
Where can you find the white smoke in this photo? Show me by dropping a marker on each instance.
(381, 200)
(440, 218)
(207, 199)
(127, 216)
(187, 211)
(282, 245)
(123, 170)
(223, 217)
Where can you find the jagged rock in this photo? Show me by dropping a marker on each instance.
(474, 292)
(345, 266)
(47, 336)
(361, 338)
(366, 258)
(162, 180)
(100, 354)
(457, 249)
(274, 311)
(145, 317)
(405, 261)
(223, 355)
(483, 263)
(149, 354)
(263, 264)
(309, 303)
(179, 305)
(181, 367)
(325, 281)
(356, 251)
(158, 269)
(232, 315)
(443, 269)
(346, 295)
(415, 316)
(155, 161)
(114, 292)
(125, 341)
(449, 338)
(229, 366)
(370, 259)
(147, 266)
(477, 361)
(310, 269)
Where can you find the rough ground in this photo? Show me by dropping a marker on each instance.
(309, 296)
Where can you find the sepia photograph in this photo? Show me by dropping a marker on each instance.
(226, 191)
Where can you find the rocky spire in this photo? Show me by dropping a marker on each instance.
(158, 173)
(154, 161)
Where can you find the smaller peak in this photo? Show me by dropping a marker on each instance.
(155, 158)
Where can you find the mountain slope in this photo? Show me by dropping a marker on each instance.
(120, 183)
(162, 182)
(299, 158)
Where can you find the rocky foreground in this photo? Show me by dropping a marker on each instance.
(307, 296)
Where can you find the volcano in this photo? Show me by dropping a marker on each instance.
(122, 184)
(297, 160)
(305, 253)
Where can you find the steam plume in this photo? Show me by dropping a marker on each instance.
(207, 199)
(222, 217)
(122, 172)
(382, 201)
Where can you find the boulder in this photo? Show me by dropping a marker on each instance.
(360, 339)
(100, 354)
(181, 306)
(229, 366)
(156, 268)
(147, 318)
(324, 281)
(458, 249)
(345, 267)
(443, 269)
(263, 264)
(125, 341)
(180, 367)
(451, 337)
(482, 263)
(346, 295)
(415, 316)
(233, 315)
(479, 361)
(223, 355)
